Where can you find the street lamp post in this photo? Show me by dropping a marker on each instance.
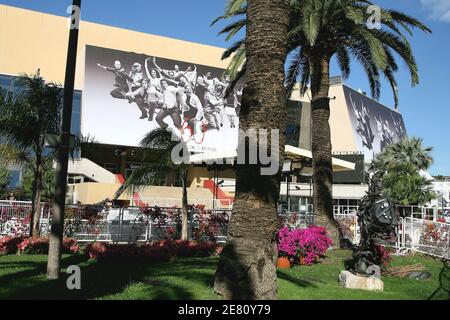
(57, 226)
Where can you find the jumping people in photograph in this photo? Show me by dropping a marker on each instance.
(153, 75)
(121, 78)
(219, 92)
(192, 108)
(382, 133)
(172, 76)
(363, 127)
(200, 89)
(136, 77)
(169, 105)
(389, 134)
(399, 128)
(194, 101)
(212, 109)
(231, 106)
(237, 99)
(139, 96)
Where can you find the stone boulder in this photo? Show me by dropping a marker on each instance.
(352, 281)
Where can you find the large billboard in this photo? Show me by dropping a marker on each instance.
(375, 125)
(126, 95)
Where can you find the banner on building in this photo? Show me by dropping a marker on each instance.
(375, 125)
(127, 95)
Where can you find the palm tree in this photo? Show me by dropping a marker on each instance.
(406, 150)
(401, 166)
(26, 119)
(160, 142)
(319, 31)
(246, 268)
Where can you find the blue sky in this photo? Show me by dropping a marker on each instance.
(426, 108)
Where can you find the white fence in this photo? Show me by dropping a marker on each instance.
(428, 236)
(134, 224)
(426, 213)
(345, 210)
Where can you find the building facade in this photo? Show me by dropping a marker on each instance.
(360, 126)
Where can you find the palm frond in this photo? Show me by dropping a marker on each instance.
(343, 60)
(144, 176)
(298, 67)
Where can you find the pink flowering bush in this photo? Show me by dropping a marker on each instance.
(33, 245)
(8, 244)
(165, 250)
(39, 245)
(309, 244)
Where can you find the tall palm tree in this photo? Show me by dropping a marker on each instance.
(161, 143)
(26, 118)
(319, 31)
(246, 268)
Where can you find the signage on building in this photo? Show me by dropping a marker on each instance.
(375, 126)
(127, 95)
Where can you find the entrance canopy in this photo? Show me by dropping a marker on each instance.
(299, 157)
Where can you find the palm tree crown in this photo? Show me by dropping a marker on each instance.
(340, 28)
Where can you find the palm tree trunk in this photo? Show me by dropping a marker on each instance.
(247, 268)
(36, 198)
(184, 211)
(321, 148)
(57, 226)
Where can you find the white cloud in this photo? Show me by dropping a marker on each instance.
(439, 9)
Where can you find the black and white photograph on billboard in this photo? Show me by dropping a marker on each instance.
(375, 126)
(127, 95)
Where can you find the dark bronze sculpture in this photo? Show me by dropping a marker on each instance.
(377, 219)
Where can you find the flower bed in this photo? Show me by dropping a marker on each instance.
(156, 251)
(8, 244)
(303, 246)
(33, 245)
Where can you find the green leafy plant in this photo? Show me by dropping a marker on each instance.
(4, 181)
(401, 166)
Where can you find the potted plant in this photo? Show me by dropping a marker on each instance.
(283, 262)
(300, 255)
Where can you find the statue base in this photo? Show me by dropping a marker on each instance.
(352, 281)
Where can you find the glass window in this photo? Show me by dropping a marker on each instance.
(14, 181)
(5, 82)
(76, 121)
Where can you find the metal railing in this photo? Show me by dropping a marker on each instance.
(429, 237)
(136, 224)
(296, 220)
(345, 210)
(132, 224)
(425, 213)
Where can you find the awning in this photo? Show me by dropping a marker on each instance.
(297, 155)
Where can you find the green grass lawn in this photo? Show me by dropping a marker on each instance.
(23, 277)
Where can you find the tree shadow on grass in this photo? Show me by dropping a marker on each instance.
(142, 279)
(298, 282)
(105, 279)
